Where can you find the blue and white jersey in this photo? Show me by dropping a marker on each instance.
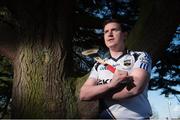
(137, 107)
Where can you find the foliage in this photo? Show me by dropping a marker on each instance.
(166, 73)
(6, 76)
(7, 17)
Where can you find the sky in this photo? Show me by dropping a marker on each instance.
(165, 107)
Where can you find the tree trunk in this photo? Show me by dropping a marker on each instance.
(38, 82)
(40, 87)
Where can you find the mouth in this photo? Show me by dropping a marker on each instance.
(111, 39)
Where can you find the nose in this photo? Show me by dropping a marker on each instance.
(110, 33)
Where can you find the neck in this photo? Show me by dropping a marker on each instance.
(116, 54)
(117, 51)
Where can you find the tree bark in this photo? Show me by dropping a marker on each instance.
(40, 87)
(38, 82)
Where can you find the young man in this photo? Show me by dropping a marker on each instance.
(118, 102)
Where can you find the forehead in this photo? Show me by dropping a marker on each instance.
(112, 25)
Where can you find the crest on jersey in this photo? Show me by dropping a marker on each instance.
(127, 62)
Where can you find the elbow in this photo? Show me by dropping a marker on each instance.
(136, 92)
(81, 98)
(84, 96)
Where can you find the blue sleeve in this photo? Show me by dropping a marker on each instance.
(144, 62)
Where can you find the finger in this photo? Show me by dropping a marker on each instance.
(121, 73)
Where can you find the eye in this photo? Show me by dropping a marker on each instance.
(115, 29)
(105, 31)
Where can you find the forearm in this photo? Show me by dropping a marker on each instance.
(124, 94)
(94, 92)
(137, 86)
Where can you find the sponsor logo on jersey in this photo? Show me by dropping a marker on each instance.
(102, 68)
(104, 81)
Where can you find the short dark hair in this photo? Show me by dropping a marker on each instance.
(122, 26)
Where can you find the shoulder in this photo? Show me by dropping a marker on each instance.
(138, 52)
(140, 55)
(142, 60)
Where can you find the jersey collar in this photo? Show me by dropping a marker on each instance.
(116, 59)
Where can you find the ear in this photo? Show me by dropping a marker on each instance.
(125, 34)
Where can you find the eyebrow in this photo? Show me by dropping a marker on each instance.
(112, 29)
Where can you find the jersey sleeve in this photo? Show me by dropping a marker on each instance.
(94, 72)
(144, 62)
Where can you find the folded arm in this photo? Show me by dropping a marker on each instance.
(115, 90)
(90, 90)
(140, 80)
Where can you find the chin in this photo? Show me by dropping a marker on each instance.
(110, 45)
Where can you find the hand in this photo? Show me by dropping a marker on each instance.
(118, 77)
(120, 73)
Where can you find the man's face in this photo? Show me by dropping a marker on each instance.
(113, 36)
